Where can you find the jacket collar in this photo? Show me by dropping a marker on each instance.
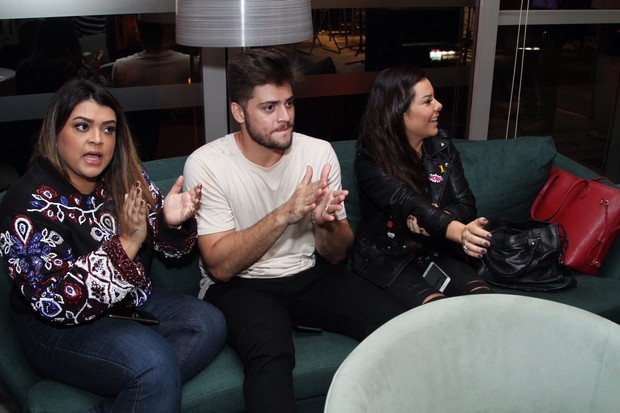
(432, 146)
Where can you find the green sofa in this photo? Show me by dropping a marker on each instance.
(505, 176)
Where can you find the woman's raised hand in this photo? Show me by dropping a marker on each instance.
(133, 221)
(180, 206)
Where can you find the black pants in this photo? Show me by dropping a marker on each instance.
(259, 315)
(410, 288)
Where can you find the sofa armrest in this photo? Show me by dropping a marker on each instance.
(16, 374)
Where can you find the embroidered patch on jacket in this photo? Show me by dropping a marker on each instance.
(434, 178)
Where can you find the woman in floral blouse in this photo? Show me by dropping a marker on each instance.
(77, 233)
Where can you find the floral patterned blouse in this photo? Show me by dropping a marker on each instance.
(63, 251)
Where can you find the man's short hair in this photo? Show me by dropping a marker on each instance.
(258, 67)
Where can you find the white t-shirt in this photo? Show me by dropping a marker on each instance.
(237, 193)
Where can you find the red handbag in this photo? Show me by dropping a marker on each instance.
(588, 210)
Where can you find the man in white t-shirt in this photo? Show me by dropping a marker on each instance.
(272, 227)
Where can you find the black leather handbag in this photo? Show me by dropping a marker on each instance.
(526, 256)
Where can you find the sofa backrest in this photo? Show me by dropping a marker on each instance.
(505, 176)
(181, 275)
(346, 156)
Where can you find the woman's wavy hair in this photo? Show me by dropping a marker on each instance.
(124, 168)
(382, 130)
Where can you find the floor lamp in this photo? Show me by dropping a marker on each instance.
(215, 25)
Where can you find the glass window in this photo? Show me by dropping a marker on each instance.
(351, 45)
(159, 83)
(546, 4)
(558, 80)
(156, 80)
(37, 55)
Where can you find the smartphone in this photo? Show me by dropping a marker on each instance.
(436, 277)
(132, 314)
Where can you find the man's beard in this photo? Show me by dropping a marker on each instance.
(265, 140)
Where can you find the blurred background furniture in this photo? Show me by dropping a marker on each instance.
(485, 353)
(7, 81)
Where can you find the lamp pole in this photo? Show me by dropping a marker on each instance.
(214, 92)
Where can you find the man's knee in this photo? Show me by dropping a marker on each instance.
(265, 339)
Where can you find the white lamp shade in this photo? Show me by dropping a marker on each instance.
(242, 23)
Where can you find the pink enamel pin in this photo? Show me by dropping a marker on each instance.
(434, 178)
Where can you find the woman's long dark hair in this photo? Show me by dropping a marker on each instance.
(124, 168)
(382, 131)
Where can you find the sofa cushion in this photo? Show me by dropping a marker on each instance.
(346, 157)
(317, 357)
(16, 375)
(49, 396)
(506, 175)
(164, 172)
(595, 294)
(181, 275)
(220, 385)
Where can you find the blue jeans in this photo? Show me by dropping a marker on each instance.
(138, 368)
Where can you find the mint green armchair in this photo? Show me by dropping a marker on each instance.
(487, 353)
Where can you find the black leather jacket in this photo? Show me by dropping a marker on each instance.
(385, 205)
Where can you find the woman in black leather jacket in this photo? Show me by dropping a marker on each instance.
(415, 200)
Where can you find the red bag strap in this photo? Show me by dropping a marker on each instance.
(594, 255)
(602, 178)
(543, 192)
